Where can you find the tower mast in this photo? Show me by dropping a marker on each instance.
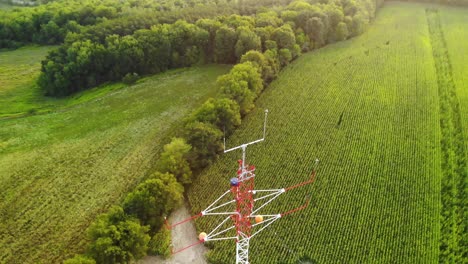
(245, 218)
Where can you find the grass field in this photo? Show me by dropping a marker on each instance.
(19, 70)
(369, 109)
(19, 94)
(59, 170)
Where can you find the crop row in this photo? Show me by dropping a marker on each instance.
(369, 114)
(453, 247)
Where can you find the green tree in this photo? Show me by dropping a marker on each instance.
(350, 7)
(225, 42)
(284, 37)
(295, 51)
(174, 160)
(248, 72)
(265, 34)
(242, 84)
(246, 40)
(160, 243)
(117, 238)
(237, 90)
(259, 60)
(341, 31)
(188, 42)
(224, 113)
(105, 11)
(335, 16)
(334, 13)
(156, 48)
(52, 79)
(315, 29)
(50, 33)
(358, 25)
(289, 15)
(235, 21)
(271, 56)
(268, 19)
(68, 70)
(211, 26)
(306, 14)
(303, 41)
(153, 199)
(205, 140)
(126, 55)
(271, 45)
(299, 6)
(285, 57)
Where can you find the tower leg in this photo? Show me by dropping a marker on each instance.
(242, 251)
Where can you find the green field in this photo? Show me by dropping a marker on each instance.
(369, 109)
(452, 72)
(19, 94)
(18, 71)
(59, 170)
(455, 21)
(386, 113)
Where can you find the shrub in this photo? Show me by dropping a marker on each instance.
(153, 199)
(117, 238)
(224, 113)
(205, 140)
(174, 160)
(130, 78)
(160, 243)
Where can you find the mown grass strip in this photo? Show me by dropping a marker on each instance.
(453, 247)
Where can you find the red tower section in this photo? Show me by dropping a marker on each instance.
(243, 193)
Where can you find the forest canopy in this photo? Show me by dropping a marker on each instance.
(90, 58)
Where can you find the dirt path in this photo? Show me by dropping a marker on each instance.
(183, 235)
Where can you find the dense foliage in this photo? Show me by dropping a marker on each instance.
(50, 23)
(117, 238)
(153, 199)
(282, 35)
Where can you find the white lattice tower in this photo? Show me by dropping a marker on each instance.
(244, 198)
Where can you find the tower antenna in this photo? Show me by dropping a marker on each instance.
(242, 220)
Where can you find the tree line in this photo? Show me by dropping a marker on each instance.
(83, 62)
(50, 23)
